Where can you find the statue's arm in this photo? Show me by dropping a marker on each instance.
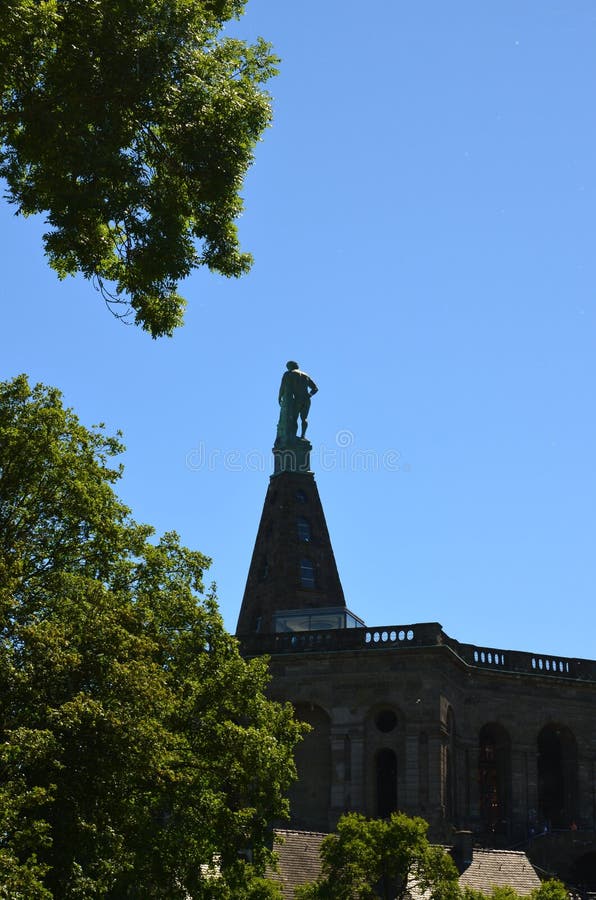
(312, 386)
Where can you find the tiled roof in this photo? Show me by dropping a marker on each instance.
(500, 867)
(299, 863)
(298, 856)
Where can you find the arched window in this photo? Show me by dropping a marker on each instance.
(303, 526)
(557, 776)
(494, 772)
(386, 782)
(307, 573)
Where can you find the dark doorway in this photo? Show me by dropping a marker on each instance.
(583, 873)
(494, 772)
(386, 765)
(557, 776)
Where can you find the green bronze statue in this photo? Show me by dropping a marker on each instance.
(295, 391)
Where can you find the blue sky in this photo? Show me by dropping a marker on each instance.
(423, 219)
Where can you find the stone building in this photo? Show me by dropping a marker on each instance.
(406, 717)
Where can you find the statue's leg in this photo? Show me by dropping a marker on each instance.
(303, 416)
(293, 422)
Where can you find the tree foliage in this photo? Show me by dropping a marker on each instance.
(138, 753)
(393, 859)
(370, 858)
(552, 889)
(131, 124)
(548, 890)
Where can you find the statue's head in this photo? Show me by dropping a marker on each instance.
(291, 365)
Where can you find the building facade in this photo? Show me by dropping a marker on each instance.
(405, 717)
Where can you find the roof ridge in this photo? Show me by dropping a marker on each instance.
(299, 831)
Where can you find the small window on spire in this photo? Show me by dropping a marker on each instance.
(303, 529)
(301, 497)
(263, 569)
(307, 573)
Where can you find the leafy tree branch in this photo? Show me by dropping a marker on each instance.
(130, 125)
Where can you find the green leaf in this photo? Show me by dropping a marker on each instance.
(136, 745)
(130, 126)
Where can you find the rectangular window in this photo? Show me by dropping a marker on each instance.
(307, 573)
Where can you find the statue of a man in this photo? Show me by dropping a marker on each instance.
(295, 391)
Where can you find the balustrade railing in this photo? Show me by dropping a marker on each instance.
(423, 634)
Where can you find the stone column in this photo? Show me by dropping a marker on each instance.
(347, 764)
(586, 787)
(435, 779)
(531, 778)
(411, 780)
(358, 780)
(473, 784)
(338, 773)
(518, 801)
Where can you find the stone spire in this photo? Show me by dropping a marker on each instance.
(293, 567)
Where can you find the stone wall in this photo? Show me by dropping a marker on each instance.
(419, 724)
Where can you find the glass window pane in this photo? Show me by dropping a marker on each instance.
(303, 528)
(292, 623)
(307, 573)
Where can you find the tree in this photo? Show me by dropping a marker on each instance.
(548, 890)
(392, 859)
(551, 889)
(369, 858)
(131, 125)
(138, 753)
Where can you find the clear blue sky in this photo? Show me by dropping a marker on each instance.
(423, 219)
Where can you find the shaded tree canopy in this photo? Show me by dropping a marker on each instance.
(130, 124)
(370, 858)
(392, 859)
(138, 753)
(548, 890)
